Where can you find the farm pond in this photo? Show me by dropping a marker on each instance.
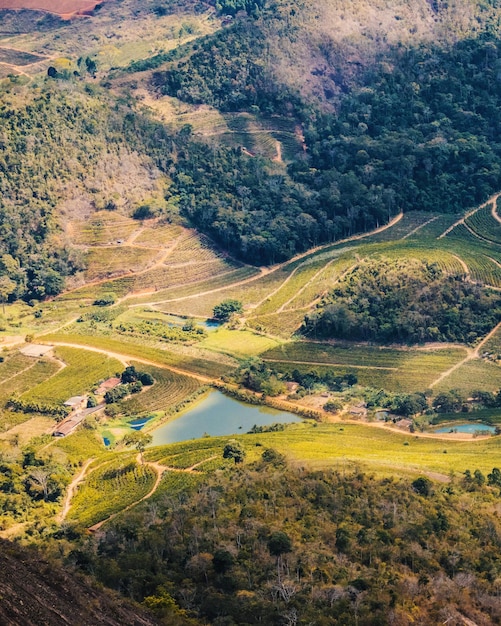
(470, 428)
(219, 415)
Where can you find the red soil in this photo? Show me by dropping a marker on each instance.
(64, 8)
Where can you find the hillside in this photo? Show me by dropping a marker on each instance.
(38, 592)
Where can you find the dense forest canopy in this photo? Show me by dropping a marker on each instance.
(404, 300)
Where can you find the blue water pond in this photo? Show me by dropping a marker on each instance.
(471, 428)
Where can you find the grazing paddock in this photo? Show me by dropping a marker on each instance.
(84, 369)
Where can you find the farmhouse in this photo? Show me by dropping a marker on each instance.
(76, 402)
(106, 385)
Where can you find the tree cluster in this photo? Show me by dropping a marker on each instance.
(263, 543)
(405, 301)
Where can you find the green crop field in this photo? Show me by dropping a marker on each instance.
(485, 225)
(82, 372)
(105, 227)
(169, 389)
(103, 262)
(38, 374)
(110, 488)
(127, 347)
(13, 364)
(473, 375)
(241, 343)
(395, 370)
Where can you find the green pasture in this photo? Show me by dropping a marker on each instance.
(241, 343)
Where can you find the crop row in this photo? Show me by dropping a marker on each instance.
(25, 380)
(83, 370)
(104, 227)
(278, 324)
(13, 364)
(104, 262)
(169, 389)
(159, 236)
(473, 375)
(127, 346)
(110, 489)
(188, 458)
(484, 224)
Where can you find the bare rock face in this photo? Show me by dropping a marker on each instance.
(34, 592)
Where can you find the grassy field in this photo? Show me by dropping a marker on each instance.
(241, 343)
(37, 374)
(473, 375)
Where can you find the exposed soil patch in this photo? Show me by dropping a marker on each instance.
(65, 8)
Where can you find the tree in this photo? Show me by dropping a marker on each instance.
(139, 441)
(279, 543)
(422, 486)
(7, 288)
(234, 450)
(225, 309)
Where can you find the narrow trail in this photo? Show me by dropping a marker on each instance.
(71, 490)
(160, 470)
(320, 363)
(472, 354)
(125, 359)
(492, 200)
(158, 263)
(495, 213)
(418, 228)
(305, 286)
(466, 269)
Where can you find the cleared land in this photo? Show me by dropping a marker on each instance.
(65, 8)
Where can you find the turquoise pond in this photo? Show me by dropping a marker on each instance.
(219, 415)
(470, 428)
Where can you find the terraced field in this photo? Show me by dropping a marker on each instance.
(169, 389)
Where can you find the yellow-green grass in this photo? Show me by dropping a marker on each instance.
(77, 447)
(493, 345)
(282, 325)
(104, 227)
(28, 429)
(84, 369)
(174, 483)
(336, 445)
(129, 348)
(475, 374)
(298, 279)
(109, 488)
(404, 227)
(169, 389)
(241, 343)
(13, 364)
(159, 236)
(103, 262)
(10, 419)
(40, 372)
(395, 370)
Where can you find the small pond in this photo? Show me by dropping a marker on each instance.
(106, 441)
(219, 415)
(470, 427)
(139, 423)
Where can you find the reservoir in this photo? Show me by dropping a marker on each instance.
(219, 415)
(470, 428)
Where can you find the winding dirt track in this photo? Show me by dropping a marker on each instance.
(160, 471)
(71, 490)
(127, 358)
(473, 354)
